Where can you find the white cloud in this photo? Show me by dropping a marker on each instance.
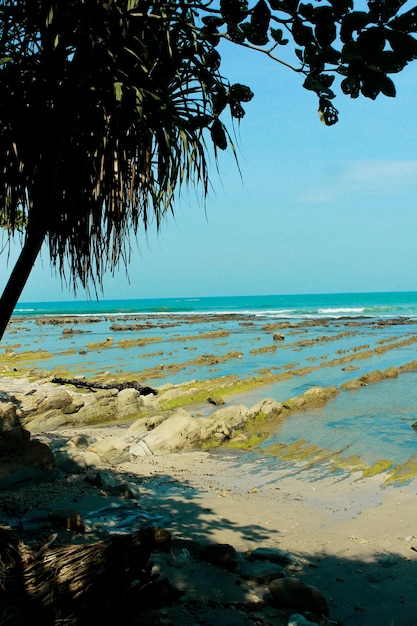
(367, 178)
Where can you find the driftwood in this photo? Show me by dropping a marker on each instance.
(81, 382)
(80, 585)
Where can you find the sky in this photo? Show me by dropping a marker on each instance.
(315, 209)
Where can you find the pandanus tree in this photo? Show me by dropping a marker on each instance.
(108, 108)
(102, 115)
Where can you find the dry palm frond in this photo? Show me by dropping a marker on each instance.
(80, 584)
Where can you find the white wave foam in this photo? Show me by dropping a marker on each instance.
(338, 310)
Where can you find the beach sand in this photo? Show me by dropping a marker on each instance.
(356, 540)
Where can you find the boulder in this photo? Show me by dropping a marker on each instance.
(128, 402)
(267, 406)
(61, 400)
(293, 593)
(313, 397)
(142, 426)
(39, 455)
(234, 416)
(8, 416)
(274, 555)
(217, 401)
(178, 432)
(260, 571)
(221, 554)
(111, 450)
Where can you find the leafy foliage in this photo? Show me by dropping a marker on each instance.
(103, 120)
(109, 106)
(331, 38)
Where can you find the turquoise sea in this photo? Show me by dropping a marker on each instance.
(272, 306)
(328, 339)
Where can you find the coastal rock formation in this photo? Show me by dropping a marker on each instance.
(182, 431)
(45, 406)
(22, 458)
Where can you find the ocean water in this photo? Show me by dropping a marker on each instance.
(159, 341)
(308, 306)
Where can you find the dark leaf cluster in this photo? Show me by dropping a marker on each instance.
(109, 106)
(330, 38)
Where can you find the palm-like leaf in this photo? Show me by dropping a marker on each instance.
(103, 124)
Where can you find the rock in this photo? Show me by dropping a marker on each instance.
(275, 555)
(14, 439)
(128, 402)
(111, 450)
(278, 337)
(82, 441)
(372, 377)
(143, 425)
(215, 400)
(313, 397)
(234, 416)
(13, 474)
(71, 458)
(293, 593)
(221, 554)
(178, 432)
(352, 384)
(139, 449)
(8, 416)
(39, 455)
(260, 571)
(60, 400)
(267, 406)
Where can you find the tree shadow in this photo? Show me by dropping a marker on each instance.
(380, 592)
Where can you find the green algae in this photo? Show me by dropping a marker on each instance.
(263, 350)
(22, 358)
(99, 345)
(352, 463)
(379, 467)
(212, 334)
(405, 472)
(377, 376)
(143, 341)
(250, 443)
(225, 386)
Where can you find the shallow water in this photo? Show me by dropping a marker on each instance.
(374, 421)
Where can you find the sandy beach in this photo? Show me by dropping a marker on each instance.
(354, 537)
(355, 540)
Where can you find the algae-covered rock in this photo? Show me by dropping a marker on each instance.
(313, 397)
(267, 406)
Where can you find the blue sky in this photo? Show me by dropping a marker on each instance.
(317, 210)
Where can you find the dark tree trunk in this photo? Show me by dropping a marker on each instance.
(18, 277)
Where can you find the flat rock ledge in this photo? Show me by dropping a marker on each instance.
(27, 407)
